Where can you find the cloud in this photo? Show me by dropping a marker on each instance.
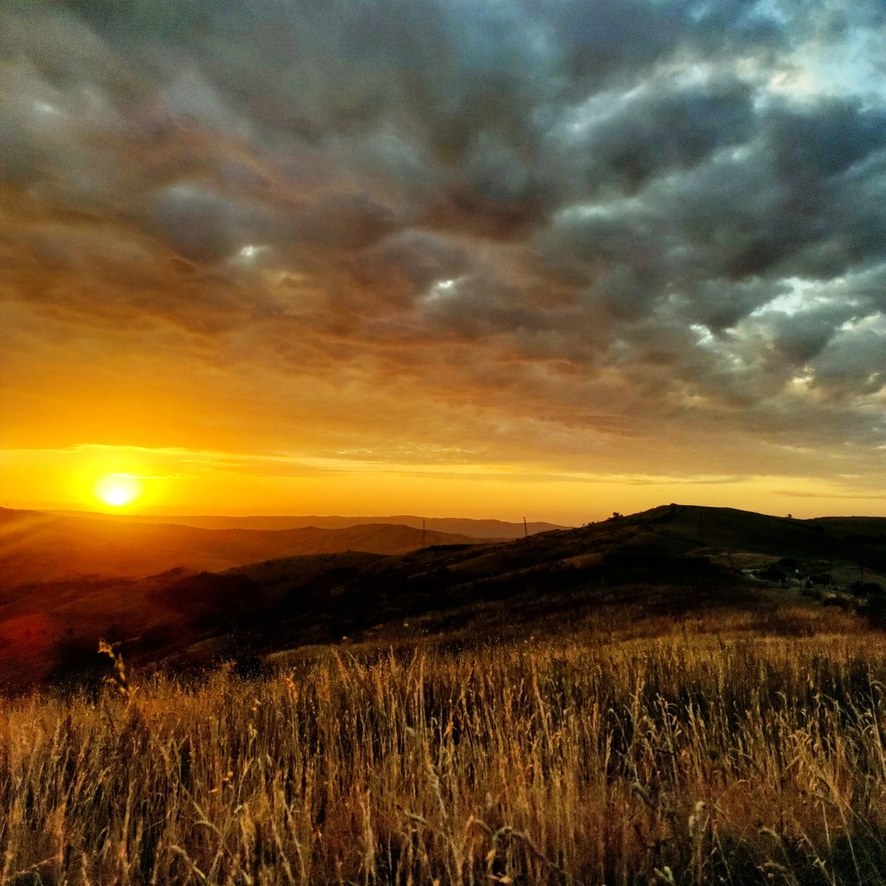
(555, 226)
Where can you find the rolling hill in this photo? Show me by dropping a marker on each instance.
(36, 546)
(671, 561)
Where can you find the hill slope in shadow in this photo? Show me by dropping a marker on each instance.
(671, 561)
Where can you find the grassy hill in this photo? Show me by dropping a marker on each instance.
(650, 699)
(670, 562)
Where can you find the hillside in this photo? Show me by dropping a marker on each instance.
(37, 546)
(670, 561)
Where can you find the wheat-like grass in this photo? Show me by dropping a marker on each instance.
(654, 760)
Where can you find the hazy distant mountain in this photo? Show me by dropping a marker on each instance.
(37, 546)
(484, 529)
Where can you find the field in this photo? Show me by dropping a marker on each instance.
(673, 751)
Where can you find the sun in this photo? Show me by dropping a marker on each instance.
(118, 490)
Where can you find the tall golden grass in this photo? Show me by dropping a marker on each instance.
(683, 760)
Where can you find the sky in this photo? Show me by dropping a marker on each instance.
(499, 258)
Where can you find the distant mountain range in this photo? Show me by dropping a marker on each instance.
(486, 529)
(671, 560)
(37, 546)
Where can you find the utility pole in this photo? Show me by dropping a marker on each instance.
(424, 534)
(525, 529)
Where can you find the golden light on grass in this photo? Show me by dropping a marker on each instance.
(118, 490)
(606, 759)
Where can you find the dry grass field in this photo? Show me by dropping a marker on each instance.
(671, 755)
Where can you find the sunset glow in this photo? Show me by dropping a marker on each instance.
(493, 259)
(118, 490)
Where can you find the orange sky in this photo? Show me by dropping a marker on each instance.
(442, 259)
(180, 481)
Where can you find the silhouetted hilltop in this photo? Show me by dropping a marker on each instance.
(669, 561)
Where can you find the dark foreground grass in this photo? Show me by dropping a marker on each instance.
(682, 760)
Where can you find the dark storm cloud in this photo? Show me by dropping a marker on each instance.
(630, 140)
(202, 225)
(636, 209)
